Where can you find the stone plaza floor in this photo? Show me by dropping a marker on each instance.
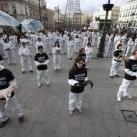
(46, 108)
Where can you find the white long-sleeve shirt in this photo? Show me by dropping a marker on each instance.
(88, 50)
(7, 46)
(24, 51)
(130, 43)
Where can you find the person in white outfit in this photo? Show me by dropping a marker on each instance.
(62, 42)
(117, 39)
(9, 51)
(70, 44)
(47, 43)
(77, 74)
(110, 46)
(77, 44)
(7, 79)
(130, 46)
(13, 40)
(24, 54)
(2, 51)
(130, 77)
(41, 60)
(88, 51)
(39, 43)
(85, 41)
(99, 38)
(33, 38)
(123, 39)
(116, 61)
(135, 45)
(56, 51)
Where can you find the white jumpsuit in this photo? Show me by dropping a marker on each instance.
(70, 45)
(130, 46)
(24, 54)
(56, 51)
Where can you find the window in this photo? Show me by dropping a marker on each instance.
(14, 10)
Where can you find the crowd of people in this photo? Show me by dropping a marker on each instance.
(80, 46)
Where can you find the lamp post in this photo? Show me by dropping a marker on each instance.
(107, 7)
(58, 17)
(39, 10)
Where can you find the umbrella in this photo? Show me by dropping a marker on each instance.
(7, 20)
(31, 25)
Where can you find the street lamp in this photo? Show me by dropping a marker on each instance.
(39, 10)
(58, 17)
(107, 7)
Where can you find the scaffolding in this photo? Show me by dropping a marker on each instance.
(73, 14)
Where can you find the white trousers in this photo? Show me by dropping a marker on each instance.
(129, 50)
(75, 100)
(10, 56)
(56, 61)
(15, 106)
(123, 89)
(70, 51)
(88, 60)
(48, 47)
(114, 67)
(42, 75)
(110, 50)
(134, 48)
(26, 63)
(76, 47)
(63, 47)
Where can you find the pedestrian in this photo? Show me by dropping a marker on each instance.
(130, 77)
(7, 79)
(2, 51)
(85, 41)
(62, 43)
(88, 51)
(130, 46)
(25, 59)
(116, 61)
(77, 44)
(70, 46)
(56, 51)
(124, 43)
(39, 43)
(110, 46)
(41, 60)
(47, 43)
(77, 75)
(10, 52)
(135, 45)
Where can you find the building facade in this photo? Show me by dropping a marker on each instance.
(59, 18)
(128, 14)
(24, 9)
(86, 18)
(51, 20)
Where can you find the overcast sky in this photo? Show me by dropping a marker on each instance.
(87, 5)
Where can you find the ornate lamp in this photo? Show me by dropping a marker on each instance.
(107, 7)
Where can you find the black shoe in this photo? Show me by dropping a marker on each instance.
(31, 71)
(21, 119)
(23, 72)
(3, 124)
(111, 77)
(117, 76)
